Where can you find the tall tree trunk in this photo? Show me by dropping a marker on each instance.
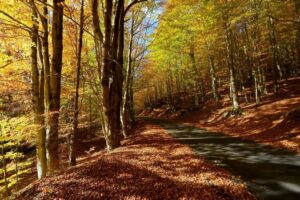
(126, 101)
(256, 85)
(73, 138)
(211, 61)
(120, 63)
(131, 103)
(38, 97)
(98, 40)
(169, 82)
(55, 87)
(231, 65)
(112, 73)
(213, 79)
(297, 6)
(274, 54)
(251, 64)
(46, 57)
(4, 168)
(256, 60)
(196, 78)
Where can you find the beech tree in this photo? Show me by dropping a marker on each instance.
(250, 39)
(73, 137)
(38, 95)
(55, 87)
(116, 56)
(112, 46)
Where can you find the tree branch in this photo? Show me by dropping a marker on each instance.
(15, 20)
(284, 20)
(132, 4)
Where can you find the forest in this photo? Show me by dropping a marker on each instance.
(150, 99)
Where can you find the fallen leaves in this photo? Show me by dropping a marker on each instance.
(149, 165)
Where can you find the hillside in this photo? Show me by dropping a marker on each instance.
(275, 121)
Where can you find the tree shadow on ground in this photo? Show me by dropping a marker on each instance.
(275, 172)
(151, 165)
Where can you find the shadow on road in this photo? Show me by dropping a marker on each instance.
(270, 173)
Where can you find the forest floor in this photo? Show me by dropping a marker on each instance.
(150, 164)
(271, 122)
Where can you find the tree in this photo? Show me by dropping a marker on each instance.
(237, 34)
(112, 68)
(73, 138)
(38, 96)
(55, 87)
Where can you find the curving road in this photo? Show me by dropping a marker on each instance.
(270, 173)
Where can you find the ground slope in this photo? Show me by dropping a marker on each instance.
(149, 165)
(272, 122)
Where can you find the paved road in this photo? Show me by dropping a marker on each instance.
(271, 173)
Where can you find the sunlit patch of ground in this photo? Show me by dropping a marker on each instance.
(149, 165)
(265, 123)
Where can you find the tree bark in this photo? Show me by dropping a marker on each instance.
(256, 62)
(55, 87)
(73, 138)
(230, 61)
(211, 61)
(297, 7)
(131, 103)
(112, 69)
(38, 97)
(125, 119)
(196, 78)
(98, 40)
(274, 54)
(4, 168)
(112, 74)
(46, 57)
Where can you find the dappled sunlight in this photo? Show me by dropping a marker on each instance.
(266, 123)
(150, 165)
(80, 77)
(271, 173)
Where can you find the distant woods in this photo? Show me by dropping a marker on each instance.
(200, 48)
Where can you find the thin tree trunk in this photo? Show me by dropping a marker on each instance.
(17, 171)
(213, 79)
(256, 65)
(274, 54)
(73, 138)
(38, 97)
(214, 87)
(46, 57)
(126, 101)
(195, 70)
(131, 103)
(297, 7)
(4, 167)
(256, 85)
(99, 40)
(230, 61)
(119, 68)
